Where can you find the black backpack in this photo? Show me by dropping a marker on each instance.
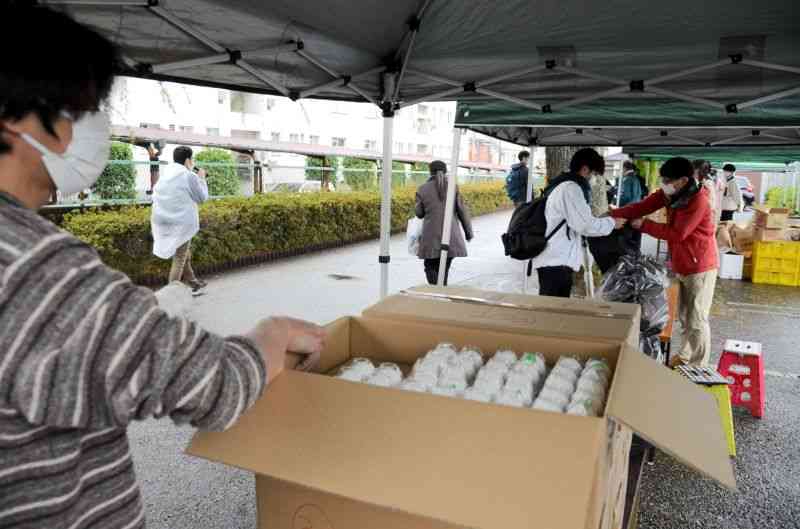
(527, 234)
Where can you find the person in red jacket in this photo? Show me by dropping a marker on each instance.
(693, 250)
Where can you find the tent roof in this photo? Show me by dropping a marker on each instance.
(672, 64)
(761, 158)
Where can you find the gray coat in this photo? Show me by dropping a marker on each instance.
(431, 208)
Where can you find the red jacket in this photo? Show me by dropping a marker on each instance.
(689, 230)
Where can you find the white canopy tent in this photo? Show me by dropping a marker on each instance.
(555, 72)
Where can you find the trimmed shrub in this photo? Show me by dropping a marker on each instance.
(223, 181)
(118, 181)
(233, 230)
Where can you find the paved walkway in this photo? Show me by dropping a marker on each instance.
(183, 493)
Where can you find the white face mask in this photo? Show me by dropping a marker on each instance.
(80, 166)
(668, 189)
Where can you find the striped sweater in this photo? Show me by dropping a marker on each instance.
(82, 353)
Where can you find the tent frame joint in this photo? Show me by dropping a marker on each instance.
(637, 85)
(470, 87)
(550, 64)
(736, 58)
(414, 23)
(294, 95)
(733, 108)
(234, 56)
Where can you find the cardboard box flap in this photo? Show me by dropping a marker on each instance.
(509, 312)
(417, 453)
(672, 413)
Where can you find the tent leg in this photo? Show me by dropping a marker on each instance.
(449, 206)
(528, 198)
(386, 202)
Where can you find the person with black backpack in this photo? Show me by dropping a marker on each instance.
(568, 217)
(517, 179)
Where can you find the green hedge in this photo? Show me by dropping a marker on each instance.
(235, 230)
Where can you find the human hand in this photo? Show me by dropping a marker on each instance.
(201, 173)
(637, 223)
(619, 223)
(288, 342)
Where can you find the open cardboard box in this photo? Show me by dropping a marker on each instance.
(328, 453)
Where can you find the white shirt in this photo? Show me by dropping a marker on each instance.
(175, 218)
(567, 202)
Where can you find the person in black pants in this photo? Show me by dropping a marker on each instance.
(432, 270)
(555, 281)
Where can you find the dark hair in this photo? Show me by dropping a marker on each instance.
(590, 158)
(523, 154)
(729, 167)
(437, 165)
(703, 168)
(628, 166)
(181, 154)
(676, 168)
(73, 76)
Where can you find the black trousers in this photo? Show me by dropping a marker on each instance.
(555, 281)
(726, 216)
(432, 270)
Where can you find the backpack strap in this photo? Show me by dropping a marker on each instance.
(560, 225)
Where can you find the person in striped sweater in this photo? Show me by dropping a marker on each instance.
(83, 351)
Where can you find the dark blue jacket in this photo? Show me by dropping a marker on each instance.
(517, 183)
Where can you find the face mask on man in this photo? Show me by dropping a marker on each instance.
(80, 166)
(669, 189)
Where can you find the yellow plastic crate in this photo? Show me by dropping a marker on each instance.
(776, 263)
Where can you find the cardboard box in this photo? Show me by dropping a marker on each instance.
(742, 239)
(731, 266)
(334, 454)
(771, 218)
(768, 234)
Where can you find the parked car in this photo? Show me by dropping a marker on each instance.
(309, 186)
(747, 190)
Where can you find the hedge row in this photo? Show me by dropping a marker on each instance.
(238, 231)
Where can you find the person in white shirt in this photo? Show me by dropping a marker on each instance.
(732, 201)
(569, 218)
(175, 218)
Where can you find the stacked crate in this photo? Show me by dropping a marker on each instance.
(776, 263)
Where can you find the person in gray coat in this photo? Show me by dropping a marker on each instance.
(431, 198)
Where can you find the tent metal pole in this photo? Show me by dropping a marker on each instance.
(341, 81)
(263, 77)
(684, 97)
(200, 61)
(413, 30)
(688, 140)
(189, 30)
(512, 75)
(772, 97)
(449, 206)
(771, 66)
(386, 203)
(333, 73)
(104, 3)
(684, 73)
(434, 78)
(590, 98)
(432, 97)
(510, 99)
(590, 75)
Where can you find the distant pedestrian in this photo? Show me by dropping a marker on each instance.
(517, 179)
(430, 206)
(631, 187)
(732, 201)
(175, 218)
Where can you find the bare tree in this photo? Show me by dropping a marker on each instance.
(557, 160)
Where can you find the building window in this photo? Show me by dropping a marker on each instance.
(294, 138)
(276, 136)
(422, 148)
(221, 97)
(245, 134)
(338, 141)
(186, 128)
(423, 126)
(237, 102)
(171, 126)
(212, 131)
(270, 103)
(149, 125)
(313, 140)
(370, 145)
(422, 110)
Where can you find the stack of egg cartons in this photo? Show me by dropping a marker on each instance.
(491, 378)
(557, 392)
(357, 370)
(591, 389)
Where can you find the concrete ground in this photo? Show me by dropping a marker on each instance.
(182, 492)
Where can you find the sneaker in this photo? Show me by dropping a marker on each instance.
(196, 285)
